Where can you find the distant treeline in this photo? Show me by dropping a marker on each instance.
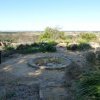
(40, 32)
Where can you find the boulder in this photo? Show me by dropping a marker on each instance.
(90, 56)
(73, 71)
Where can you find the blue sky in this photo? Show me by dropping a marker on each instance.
(29, 15)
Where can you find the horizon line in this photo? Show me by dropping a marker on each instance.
(43, 30)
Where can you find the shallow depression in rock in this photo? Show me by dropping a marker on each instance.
(49, 62)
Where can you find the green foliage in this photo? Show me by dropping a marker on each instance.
(52, 43)
(8, 50)
(88, 88)
(81, 46)
(80, 40)
(25, 49)
(8, 47)
(88, 36)
(36, 47)
(69, 39)
(47, 47)
(84, 46)
(22, 47)
(52, 34)
(72, 47)
(30, 48)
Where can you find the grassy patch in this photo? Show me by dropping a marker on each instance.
(88, 87)
(88, 37)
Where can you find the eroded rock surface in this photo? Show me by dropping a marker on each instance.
(18, 78)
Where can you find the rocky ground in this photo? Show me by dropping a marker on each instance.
(18, 81)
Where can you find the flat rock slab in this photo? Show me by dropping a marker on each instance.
(50, 82)
(52, 78)
(20, 92)
(53, 93)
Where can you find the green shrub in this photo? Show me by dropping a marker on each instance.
(8, 50)
(72, 47)
(80, 40)
(29, 50)
(88, 36)
(88, 88)
(81, 46)
(47, 47)
(52, 43)
(84, 46)
(35, 44)
(69, 39)
(36, 47)
(52, 34)
(23, 47)
(8, 47)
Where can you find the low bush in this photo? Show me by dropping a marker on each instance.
(72, 47)
(23, 47)
(37, 47)
(88, 87)
(29, 50)
(52, 43)
(88, 36)
(80, 40)
(84, 46)
(8, 50)
(52, 34)
(69, 39)
(47, 47)
(8, 47)
(81, 46)
(35, 44)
